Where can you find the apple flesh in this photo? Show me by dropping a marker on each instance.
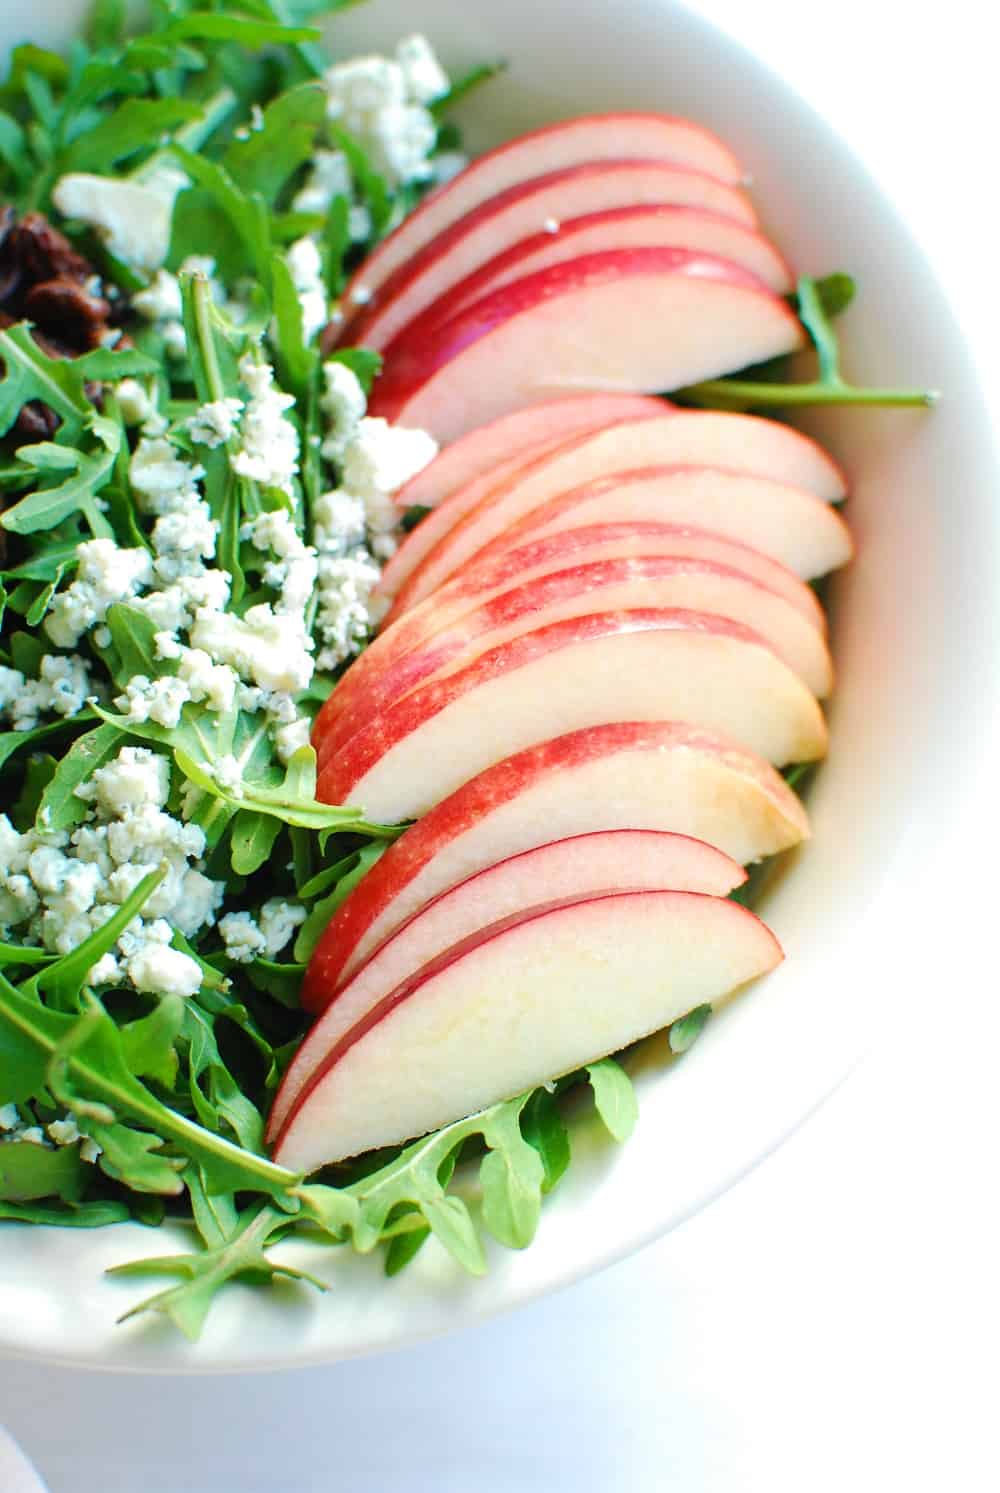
(554, 147)
(647, 226)
(498, 225)
(484, 449)
(563, 871)
(480, 460)
(688, 317)
(644, 582)
(691, 438)
(478, 585)
(586, 671)
(661, 775)
(516, 1005)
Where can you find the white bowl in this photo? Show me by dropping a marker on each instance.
(910, 727)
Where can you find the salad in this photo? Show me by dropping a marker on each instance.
(244, 380)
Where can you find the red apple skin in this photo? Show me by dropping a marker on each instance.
(476, 585)
(526, 326)
(630, 940)
(496, 226)
(648, 225)
(484, 449)
(367, 770)
(643, 581)
(579, 867)
(529, 433)
(554, 147)
(688, 438)
(414, 868)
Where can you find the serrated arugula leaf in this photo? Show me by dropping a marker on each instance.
(149, 1044)
(81, 1060)
(242, 1254)
(29, 373)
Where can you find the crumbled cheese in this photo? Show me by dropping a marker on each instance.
(215, 423)
(343, 617)
(288, 738)
(269, 442)
(131, 218)
(105, 574)
(135, 402)
(383, 104)
(339, 522)
(137, 777)
(63, 689)
(343, 402)
(215, 684)
(229, 776)
(107, 971)
(273, 650)
(306, 269)
(294, 575)
(160, 300)
(242, 938)
(329, 177)
(448, 164)
(160, 700)
(64, 1132)
(161, 479)
(162, 970)
(278, 921)
(9, 1117)
(376, 463)
(424, 76)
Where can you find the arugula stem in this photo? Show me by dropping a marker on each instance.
(816, 392)
(201, 301)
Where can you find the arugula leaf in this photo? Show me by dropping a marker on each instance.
(106, 27)
(31, 374)
(245, 211)
(252, 840)
(466, 84)
(269, 156)
(249, 33)
(95, 1215)
(136, 124)
(29, 1171)
(297, 362)
(687, 1029)
(47, 507)
(614, 1098)
(93, 1073)
(314, 926)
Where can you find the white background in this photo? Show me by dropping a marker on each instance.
(832, 1322)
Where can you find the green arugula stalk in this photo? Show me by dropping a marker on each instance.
(830, 388)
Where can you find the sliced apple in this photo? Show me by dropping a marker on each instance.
(693, 438)
(515, 1005)
(587, 671)
(650, 225)
(482, 461)
(485, 449)
(498, 225)
(478, 584)
(559, 331)
(563, 871)
(662, 581)
(571, 142)
(662, 775)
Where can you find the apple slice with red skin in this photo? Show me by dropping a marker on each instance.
(661, 581)
(495, 227)
(481, 460)
(666, 225)
(487, 447)
(565, 870)
(476, 586)
(650, 663)
(693, 438)
(554, 147)
(793, 527)
(523, 1001)
(663, 775)
(559, 331)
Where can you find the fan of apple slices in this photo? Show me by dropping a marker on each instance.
(599, 644)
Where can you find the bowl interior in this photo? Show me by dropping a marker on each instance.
(909, 668)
